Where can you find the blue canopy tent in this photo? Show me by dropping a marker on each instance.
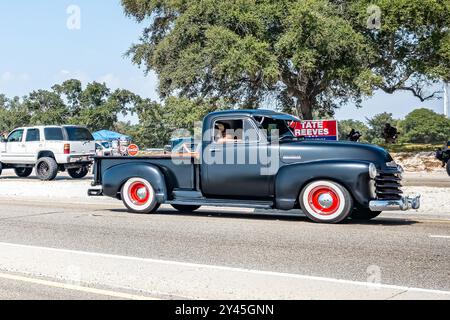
(106, 135)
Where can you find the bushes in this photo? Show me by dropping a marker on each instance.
(425, 126)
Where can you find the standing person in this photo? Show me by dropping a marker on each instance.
(354, 135)
(390, 134)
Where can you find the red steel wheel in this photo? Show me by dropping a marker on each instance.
(326, 201)
(138, 196)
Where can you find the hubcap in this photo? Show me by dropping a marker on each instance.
(324, 200)
(43, 167)
(138, 193)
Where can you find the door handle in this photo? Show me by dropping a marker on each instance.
(215, 150)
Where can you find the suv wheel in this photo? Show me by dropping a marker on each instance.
(139, 196)
(46, 169)
(78, 173)
(326, 202)
(23, 172)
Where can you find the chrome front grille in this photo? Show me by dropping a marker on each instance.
(388, 186)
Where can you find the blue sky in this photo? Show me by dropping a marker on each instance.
(38, 50)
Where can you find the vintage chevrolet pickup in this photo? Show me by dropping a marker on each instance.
(251, 158)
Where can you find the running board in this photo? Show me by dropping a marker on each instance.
(223, 203)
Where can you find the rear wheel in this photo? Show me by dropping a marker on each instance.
(138, 195)
(364, 214)
(326, 202)
(46, 169)
(23, 172)
(78, 173)
(185, 208)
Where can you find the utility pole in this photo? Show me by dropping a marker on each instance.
(446, 100)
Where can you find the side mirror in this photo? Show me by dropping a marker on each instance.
(2, 139)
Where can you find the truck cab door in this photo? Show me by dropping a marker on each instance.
(15, 147)
(232, 165)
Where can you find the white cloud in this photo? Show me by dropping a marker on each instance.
(110, 80)
(64, 75)
(7, 76)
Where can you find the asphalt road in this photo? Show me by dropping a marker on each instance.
(99, 251)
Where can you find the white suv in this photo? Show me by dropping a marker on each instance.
(48, 149)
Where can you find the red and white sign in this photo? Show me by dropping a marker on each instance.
(315, 129)
(133, 150)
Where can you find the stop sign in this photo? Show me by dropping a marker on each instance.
(133, 150)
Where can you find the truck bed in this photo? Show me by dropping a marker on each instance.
(180, 171)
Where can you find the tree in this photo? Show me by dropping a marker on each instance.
(13, 114)
(425, 126)
(345, 126)
(376, 127)
(96, 107)
(307, 56)
(411, 42)
(46, 108)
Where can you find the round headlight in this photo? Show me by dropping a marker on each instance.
(373, 172)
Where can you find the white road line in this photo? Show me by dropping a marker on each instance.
(72, 287)
(233, 269)
(439, 236)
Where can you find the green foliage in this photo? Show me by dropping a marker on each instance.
(376, 127)
(345, 126)
(425, 126)
(306, 56)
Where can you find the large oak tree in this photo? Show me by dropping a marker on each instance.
(307, 56)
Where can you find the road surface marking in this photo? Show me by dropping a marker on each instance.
(73, 287)
(232, 269)
(439, 236)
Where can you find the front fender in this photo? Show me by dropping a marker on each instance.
(114, 178)
(291, 179)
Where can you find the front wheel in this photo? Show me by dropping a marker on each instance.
(138, 195)
(326, 202)
(78, 173)
(364, 214)
(23, 172)
(46, 169)
(185, 208)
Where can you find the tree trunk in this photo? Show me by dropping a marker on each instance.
(304, 108)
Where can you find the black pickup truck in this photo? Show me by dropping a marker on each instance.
(252, 158)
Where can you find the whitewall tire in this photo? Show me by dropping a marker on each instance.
(326, 202)
(138, 195)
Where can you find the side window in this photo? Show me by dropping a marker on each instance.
(250, 133)
(53, 134)
(16, 136)
(33, 135)
(228, 131)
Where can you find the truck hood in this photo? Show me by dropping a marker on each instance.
(308, 151)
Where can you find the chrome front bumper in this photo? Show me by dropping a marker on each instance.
(405, 203)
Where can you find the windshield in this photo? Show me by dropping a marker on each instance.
(270, 124)
(78, 134)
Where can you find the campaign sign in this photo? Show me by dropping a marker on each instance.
(315, 129)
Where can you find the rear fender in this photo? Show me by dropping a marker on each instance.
(115, 177)
(291, 179)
